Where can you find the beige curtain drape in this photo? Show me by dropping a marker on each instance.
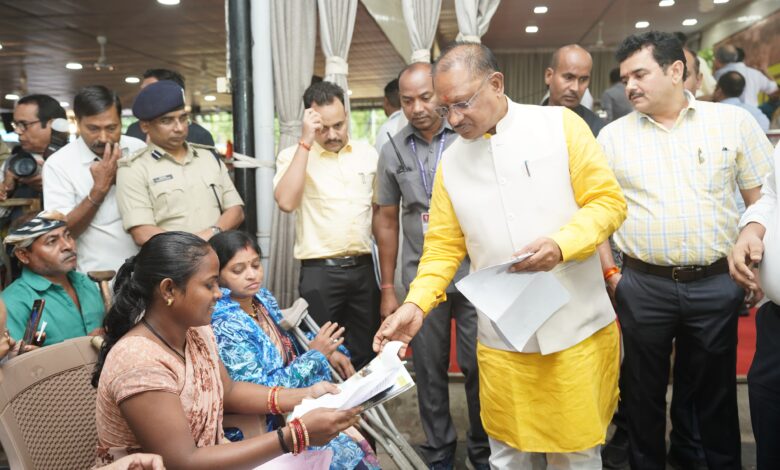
(337, 22)
(293, 30)
(421, 18)
(474, 18)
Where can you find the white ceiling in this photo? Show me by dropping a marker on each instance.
(40, 36)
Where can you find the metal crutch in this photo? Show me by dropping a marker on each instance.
(376, 421)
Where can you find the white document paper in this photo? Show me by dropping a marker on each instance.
(517, 303)
(383, 378)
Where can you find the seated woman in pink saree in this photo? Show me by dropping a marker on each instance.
(161, 386)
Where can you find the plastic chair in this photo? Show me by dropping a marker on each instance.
(47, 407)
(376, 421)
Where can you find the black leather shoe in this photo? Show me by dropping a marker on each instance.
(678, 462)
(614, 454)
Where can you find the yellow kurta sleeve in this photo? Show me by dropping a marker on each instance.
(596, 190)
(443, 251)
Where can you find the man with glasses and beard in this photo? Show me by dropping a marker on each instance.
(524, 180)
(172, 184)
(79, 181)
(404, 183)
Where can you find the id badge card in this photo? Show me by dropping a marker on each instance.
(424, 221)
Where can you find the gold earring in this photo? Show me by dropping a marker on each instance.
(169, 301)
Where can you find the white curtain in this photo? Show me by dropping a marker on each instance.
(337, 21)
(474, 18)
(293, 33)
(422, 18)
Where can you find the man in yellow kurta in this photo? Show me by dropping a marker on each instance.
(524, 179)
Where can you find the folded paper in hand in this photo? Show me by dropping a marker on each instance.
(517, 303)
(385, 377)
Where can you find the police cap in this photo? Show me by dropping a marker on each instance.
(157, 99)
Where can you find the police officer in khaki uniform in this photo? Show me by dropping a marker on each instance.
(173, 184)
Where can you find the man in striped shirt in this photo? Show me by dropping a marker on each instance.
(678, 161)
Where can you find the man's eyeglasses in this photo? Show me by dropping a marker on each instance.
(22, 126)
(462, 106)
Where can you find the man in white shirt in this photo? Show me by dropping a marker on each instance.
(80, 181)
(727, 60)
(730, 87)
(396, 120)
(758, 242)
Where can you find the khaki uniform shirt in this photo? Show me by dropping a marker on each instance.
(155, 189)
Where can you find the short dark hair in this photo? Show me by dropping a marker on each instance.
(94, 99)
(732, 84)
(740, 54)
(48, 107)
(227, 244)
(666, 48)
(478, 58)
(391, 93)
(322, 93)
(614, 75)
(682, 37)
(165, 74)
(696, 61)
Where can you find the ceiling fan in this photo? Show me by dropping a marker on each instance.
(102, 62)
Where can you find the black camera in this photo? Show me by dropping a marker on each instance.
(59, 136)
(22, 163)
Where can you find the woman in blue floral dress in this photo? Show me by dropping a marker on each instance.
(254, 348)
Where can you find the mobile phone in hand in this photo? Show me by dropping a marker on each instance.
(32, 324)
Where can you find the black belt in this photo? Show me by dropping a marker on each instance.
(678, 273)
(345, 262)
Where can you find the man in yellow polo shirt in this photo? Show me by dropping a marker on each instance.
(524, 179)
(328, 181)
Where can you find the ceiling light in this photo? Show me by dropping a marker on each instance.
(749, 18)
(210, 98)
(1, 46)
(64, 104)
(168, 2)
(540, 10)
(666, 3)
(719, 1)
(12, 96)
(690, 22)
(642, 24)
(132, 80)
(531, 29)
(73, 66)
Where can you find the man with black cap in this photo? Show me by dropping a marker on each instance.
(47, 252)
(172, 184)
